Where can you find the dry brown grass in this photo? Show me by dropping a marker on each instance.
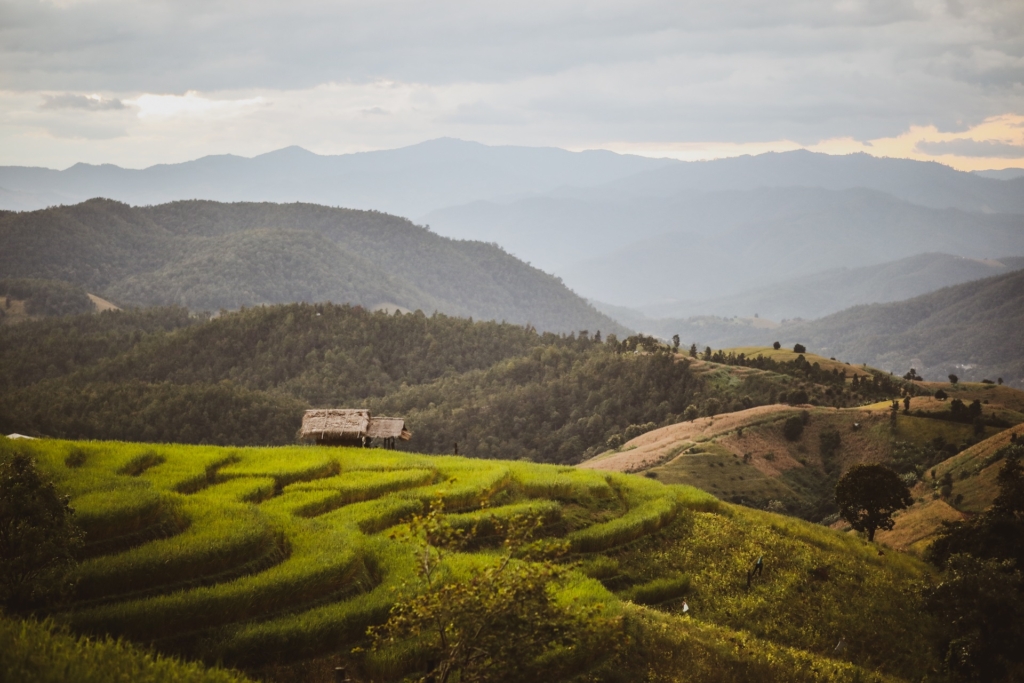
(916, 526)
(652, 448)
(102, 304)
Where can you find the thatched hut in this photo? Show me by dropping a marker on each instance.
(389, 429)
(351, 427)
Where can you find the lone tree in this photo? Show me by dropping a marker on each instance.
(37, 537)
(869, 495)
(953, 379)
(776, 346)
(799, 348)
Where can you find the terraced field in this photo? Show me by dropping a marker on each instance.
(262, 558)
(254, 555)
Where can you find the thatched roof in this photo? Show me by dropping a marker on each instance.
(334, 423)
(388, 427)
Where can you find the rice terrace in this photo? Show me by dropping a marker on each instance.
(256, 557)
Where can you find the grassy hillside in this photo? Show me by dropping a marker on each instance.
(37, 652)
(972, 486)
(746, 456)
(262, 558)
(207, 256)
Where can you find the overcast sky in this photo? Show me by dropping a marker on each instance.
(138, 83)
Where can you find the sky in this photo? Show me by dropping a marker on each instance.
(138, 83)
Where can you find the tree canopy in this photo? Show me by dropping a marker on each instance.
(869, 495)
(37, 537)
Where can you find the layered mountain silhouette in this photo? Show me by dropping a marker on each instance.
(970, 329)
(410, 181)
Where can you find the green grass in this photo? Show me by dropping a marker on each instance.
(282, 554)
(41, 653)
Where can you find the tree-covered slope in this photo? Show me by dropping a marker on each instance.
(972, 330)
(245, 377)
(206, 256)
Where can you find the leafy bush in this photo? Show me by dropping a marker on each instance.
(793, 428)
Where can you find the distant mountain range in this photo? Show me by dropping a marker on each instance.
(820, 294)
(783, 235)
(410, 181)
(1002, 174)
(208, 256)
(971, 329)
(701, 246)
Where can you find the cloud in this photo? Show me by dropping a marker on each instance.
(88, 102)
(193, 105)
(684, 75)
(963, 147)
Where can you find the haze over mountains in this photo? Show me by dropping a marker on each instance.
(653, 234)
(830, 291)
(409, 182)
(652, 241)
(972, 329)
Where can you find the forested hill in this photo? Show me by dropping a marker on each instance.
(208, 255)
(245, 378)
(972, 330)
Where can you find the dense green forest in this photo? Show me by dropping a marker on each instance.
(207, 256)
(43, 297)
(244, 378)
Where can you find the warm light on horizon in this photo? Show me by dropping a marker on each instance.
(1000, 134)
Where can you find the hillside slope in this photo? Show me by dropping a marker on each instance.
(971, 330)
(185, 553)
(206, 256)
(747, 457)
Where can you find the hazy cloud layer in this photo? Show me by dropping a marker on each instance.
(973, 148)
(249, 77)
(72, 101)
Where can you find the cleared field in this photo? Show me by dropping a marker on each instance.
(788, 355)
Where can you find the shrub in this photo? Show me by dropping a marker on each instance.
(793, 428)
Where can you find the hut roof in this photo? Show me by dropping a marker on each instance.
(335, 422)
(388, 427)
